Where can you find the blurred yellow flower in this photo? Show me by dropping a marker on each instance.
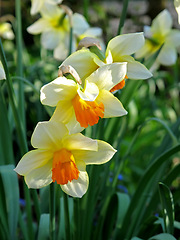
(62, 158)
(161, 34)
(6, 31)
(39, 5)
(177, 7)
(83, 105)
(54, 27)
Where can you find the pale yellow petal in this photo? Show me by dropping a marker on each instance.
(125, 44)
(48, 135)
(104, 153)
(79, 141)
(32, 160)
(40, 177)
(109, 75)
(77, 188)
(59, 89)
(82, 61)
(112, 106)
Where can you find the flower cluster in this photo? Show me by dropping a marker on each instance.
(82, 94)
(55, 26)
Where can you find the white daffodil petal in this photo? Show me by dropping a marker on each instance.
(50, 39)
(146, 50)
(63, 112)
(38, 27)
(109, 75)
(80, 24)
(167, 55)
(90, 93)
(79, 141)
(173, 38)
(73, 125)
(82, 61)
(36, 6)
(77, 188)
(162, 23)
(40, 177)
(59, 89)
(2, 73)
(48, 135)
(125, 44)
(60, 52)
(136, 70)
(32, 160)
(104, 154)
(93, 32)
(112, 106)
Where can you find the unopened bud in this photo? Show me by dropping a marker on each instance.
(89, 42)
(64, 69)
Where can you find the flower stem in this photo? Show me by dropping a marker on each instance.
(52, 211)
(66, 213)
(86, 5)
(123, 16)
(19, 60)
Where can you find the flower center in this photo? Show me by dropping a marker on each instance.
(119, 85)
(87, 112)
(64, 168)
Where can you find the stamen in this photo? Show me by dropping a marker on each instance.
(87, 112)
(64, 168)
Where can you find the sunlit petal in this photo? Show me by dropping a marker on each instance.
(77, 188)
(109, 75)
(48, 135)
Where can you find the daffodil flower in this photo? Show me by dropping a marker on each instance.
(39, 5)
(6, 31)
(2, 73)
(177, 7)
(161, 34)
(62, 158)
(119, 49)
(81, 29)
(83, 105)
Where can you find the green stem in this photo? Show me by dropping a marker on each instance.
(70, 40)
(18, 122)
(19, 60)
(85, 7)
(52, 211)
(66, 214)
(123, 16)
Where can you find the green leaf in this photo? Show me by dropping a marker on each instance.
(43, 232)
(168, 207)
(136, 238)
(163, 236)
(11, 190)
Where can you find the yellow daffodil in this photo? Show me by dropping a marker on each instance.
(177, 7)
(161, 34)
(81, 29)
(83, 105)
(6, 31)
(54, 27)
(39, 5)
(62, 158)
(2, 73)
(118, 49)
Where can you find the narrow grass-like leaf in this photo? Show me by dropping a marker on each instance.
(6, 148)
(145, 180)
(163, 236)
(43, 231)
(168, 207)
(12, 197)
